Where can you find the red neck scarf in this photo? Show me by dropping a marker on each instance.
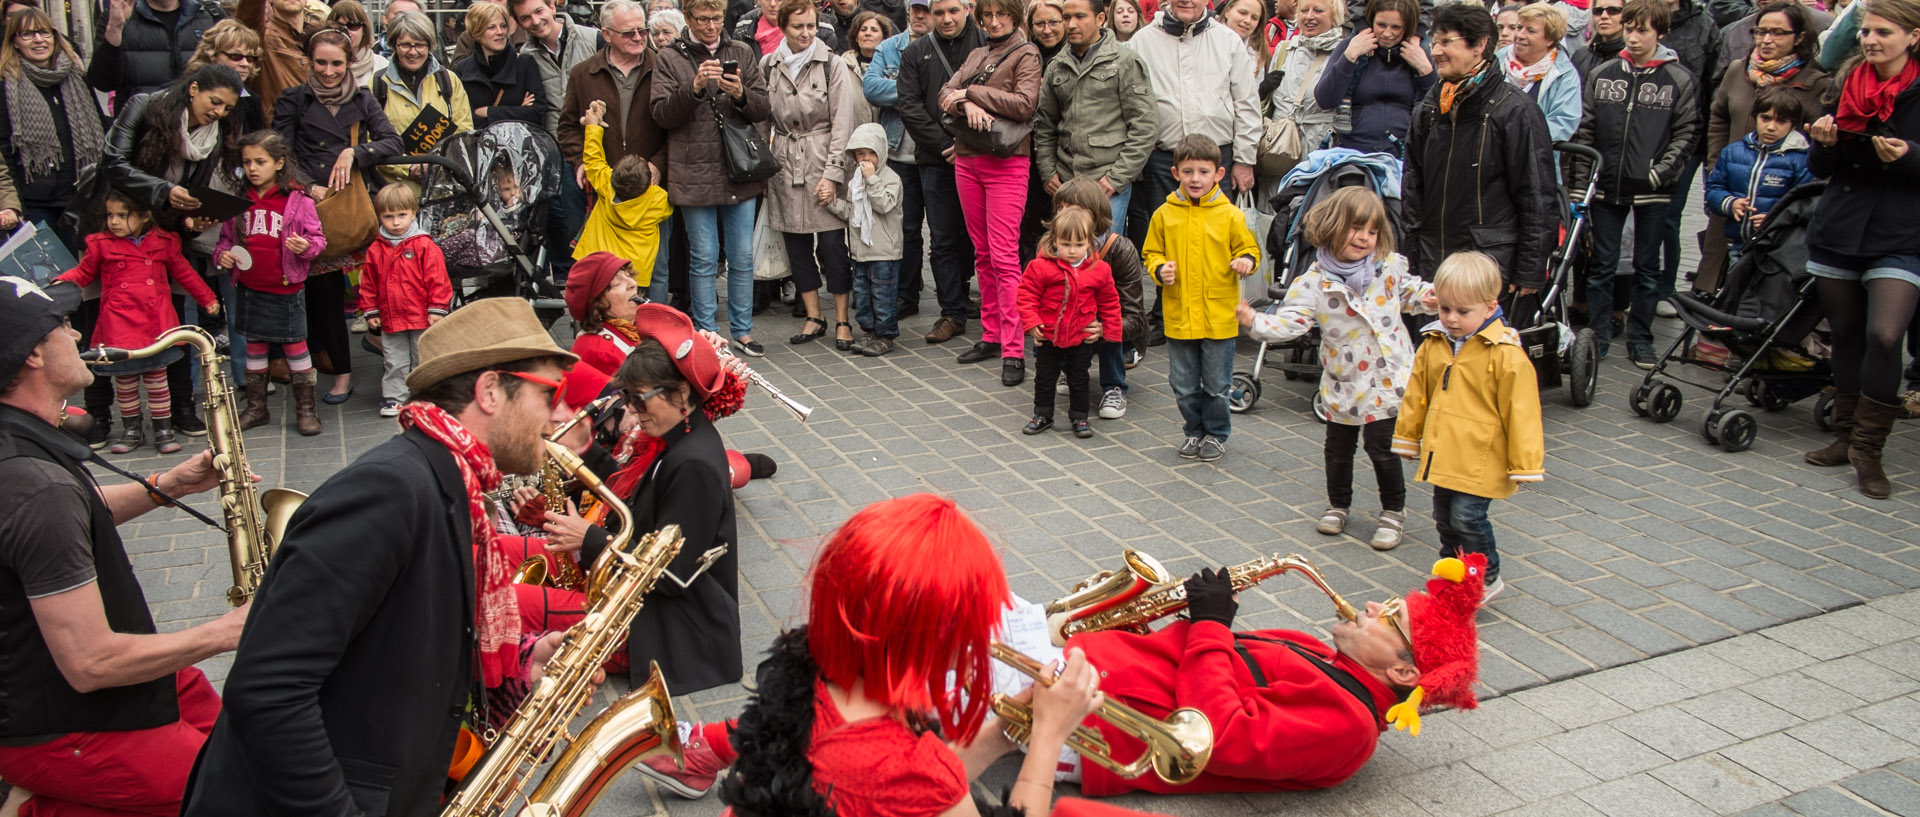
(1866, 97)
(496, 615)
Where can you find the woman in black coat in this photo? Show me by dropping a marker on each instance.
(336, 129)
(1863, 245)
(51, 125)
(502, 84)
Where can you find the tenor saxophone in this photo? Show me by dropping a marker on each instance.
(251, 536)
(1171, 598)
(640, 724)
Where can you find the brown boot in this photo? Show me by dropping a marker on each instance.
(306, 417)
(1872, 422)
(255, 414)
(278, 372)
(1836, 452)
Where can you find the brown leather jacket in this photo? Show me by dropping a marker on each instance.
(1011, 92)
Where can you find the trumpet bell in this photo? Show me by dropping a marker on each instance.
(1192, 733)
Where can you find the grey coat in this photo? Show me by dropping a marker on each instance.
(883, 192)
(577, 43)
(699, 174)
(1096, 115)
(813, 115)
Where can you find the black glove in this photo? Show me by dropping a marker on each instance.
(1269, 82)
(1210, 597)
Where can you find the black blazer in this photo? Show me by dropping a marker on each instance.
(347, 691)
(694, 632)
(318, 135)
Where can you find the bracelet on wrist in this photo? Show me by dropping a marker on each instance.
(154, 493)
(1032, 782)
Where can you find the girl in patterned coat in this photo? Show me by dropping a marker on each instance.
(1354, 292)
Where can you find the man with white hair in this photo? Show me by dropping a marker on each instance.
(620, 75)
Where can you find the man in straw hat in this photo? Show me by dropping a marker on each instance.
(85, 666)
(386, 616)
(1288, 711)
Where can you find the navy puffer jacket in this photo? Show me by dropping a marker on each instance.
(1759, 173)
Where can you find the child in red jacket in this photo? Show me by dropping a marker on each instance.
(403, 290)
(133, 264)
(1064, 294)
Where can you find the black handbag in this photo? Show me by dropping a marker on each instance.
(743, 150)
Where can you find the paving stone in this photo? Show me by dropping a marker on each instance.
(1787, 762)
(1895, 794)
(1532, 772)
(1759, 655)
(1853, 742)
(1829, 802)
(1720, 784)
(1604, 752)
(1456, 790)
(1636, 687)
(1566, 805)
(1505, 721)
(1817, 638)
(1801, 695)
(1863, 678)
(1700, 671)
(1740, 714)
(1570, 704)
(1673, 732)
(1639, 796)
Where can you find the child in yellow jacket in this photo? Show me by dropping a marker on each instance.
(628, 206)
(1198, 247)
(1471, 417)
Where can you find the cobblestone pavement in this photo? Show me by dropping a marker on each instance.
(1661, 648)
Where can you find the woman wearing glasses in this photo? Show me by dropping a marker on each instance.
(51, 126)
(423, 100)
(232, 44)
(350, 18)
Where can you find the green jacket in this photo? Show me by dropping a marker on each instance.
(1096, 115)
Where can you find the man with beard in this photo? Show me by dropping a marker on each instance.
(1479, 173)
(387, 615)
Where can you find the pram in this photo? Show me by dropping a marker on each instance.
(1561, 355)
(1323, 172)
(485, 197)
(1761, 314)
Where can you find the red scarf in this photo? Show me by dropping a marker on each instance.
(496, 614)
(1865, 97)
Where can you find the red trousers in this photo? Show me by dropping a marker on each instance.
(115, 774)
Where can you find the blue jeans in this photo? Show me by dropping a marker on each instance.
(1670, 239)
(1461, 520)
(705, 226)
(1122, 199)
(1200, 372)
(1609, 220)
(876, 297)
(657, 285)
(1113, 369)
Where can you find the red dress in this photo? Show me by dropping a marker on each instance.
(877, 767)
(1301, 730)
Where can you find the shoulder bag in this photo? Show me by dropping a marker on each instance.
(1280, 144)
(743, 150)
(1003, 137)
(346, 215)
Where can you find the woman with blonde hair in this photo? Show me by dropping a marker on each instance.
(51, 126)
(502, 84)
(232, 44)
(1537, 65)
(350, 18)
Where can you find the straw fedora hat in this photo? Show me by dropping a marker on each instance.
(485, 333)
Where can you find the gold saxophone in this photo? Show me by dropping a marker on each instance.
(251, 537)
(640, 724)
(1143, 607)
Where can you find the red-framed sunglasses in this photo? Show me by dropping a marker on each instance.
(553, 386)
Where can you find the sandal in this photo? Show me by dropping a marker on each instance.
(806, 336)
(843, 344)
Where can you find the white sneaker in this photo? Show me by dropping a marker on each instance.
(1665, 310)
(1493, 589)
(389, 408)
(1061, 387)
(1113, 404)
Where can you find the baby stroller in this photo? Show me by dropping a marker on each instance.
(1761, 315)
(1323, 172)
(484, 197)
(1561, 355)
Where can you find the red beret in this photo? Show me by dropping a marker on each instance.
(691, 353)
(582, 385)
(589, 278)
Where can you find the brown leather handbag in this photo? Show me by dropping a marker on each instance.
(346, 215)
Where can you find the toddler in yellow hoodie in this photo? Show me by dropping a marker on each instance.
(628, 206)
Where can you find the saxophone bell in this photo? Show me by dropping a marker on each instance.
(1135, 614)
(1105, 590)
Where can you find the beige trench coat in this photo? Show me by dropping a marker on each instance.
(813, 116)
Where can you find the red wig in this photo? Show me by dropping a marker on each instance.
(905, 597)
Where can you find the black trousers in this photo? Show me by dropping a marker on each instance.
(818, 256)
(1378, 441)
(1050, 362)
(952, 246)
(913, 210)
(327, 336)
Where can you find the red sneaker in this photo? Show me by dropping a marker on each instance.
(701, 773)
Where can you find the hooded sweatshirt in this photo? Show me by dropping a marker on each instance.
(405, 280)
(882, 237)
(629, 229)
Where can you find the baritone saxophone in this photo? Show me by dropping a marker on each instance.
(640, 724)
(252, 536)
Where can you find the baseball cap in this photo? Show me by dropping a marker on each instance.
(27, 314)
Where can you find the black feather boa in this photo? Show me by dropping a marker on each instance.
(772, 777)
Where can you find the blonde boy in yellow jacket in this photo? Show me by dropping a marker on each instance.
(1198, 247)
(628, 208)
(1471, 417)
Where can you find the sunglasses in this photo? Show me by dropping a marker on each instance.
(553, 386)
(631, 33)
(1394, 612)
(638, 401)
(349, 25)
(240, 56)
(1608, 11)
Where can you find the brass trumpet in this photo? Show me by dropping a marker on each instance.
(1178, 748)
(1135, 613)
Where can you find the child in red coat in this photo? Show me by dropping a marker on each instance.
(1064, 295)
(133, 264)
(403, 290)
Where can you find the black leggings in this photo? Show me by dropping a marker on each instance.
(831, 262)
(1868, 323)
(1378, 440)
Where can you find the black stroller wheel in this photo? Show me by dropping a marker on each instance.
(1823, 411)
(1244, 393)
(1637, 401)
(1663, 404)
(1710, 427)
(1736, 430)
(1583, 366)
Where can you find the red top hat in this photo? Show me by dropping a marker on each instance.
(589, 278)
(691, 353)
(1446, 645)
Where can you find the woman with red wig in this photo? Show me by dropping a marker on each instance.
(880, 705)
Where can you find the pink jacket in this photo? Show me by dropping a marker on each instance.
(1062, 300)
(136, 301)
(300, 218)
